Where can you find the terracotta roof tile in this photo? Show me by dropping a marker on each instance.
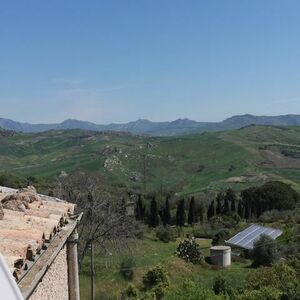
(31, 228)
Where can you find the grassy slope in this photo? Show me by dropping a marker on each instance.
(149, 253)
(189, 163)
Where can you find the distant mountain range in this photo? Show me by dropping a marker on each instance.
(142, 126)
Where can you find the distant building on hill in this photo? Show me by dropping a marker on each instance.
(38, 240)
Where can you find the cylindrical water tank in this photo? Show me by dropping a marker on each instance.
(220, 256)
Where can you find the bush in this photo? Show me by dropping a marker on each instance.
(12, 181)
(166, 234)
(230, 220)
(274, 215)
(155, 276)
(149, 296)
(264, 252)
(266, 293)
(280, 277)
(220, 237)
(191, 291)
(203, 231)
(221, 286)
(262, 277)
(130, 292)
(157, 281)
(190, 251)
(294, 262)
(288, 250)
(127, 268)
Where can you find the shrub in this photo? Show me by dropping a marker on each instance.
(288, 250)
(139, 231)
(230, 220)
(220, 236)
(264, 252)
(266, 293)
(294, 262)
(12, 181)
(127, 268)
(155, 276)
(190, 251)
(203, 231)
(288, 236)
(274, 215)
(166, 234)
(289, 284)
(148, 296)
(157, 281)
(280, 277)
(191, 291)
(262, 277)
(130, 292)
(221, 286)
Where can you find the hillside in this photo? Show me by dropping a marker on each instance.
(187, 164)
(4, 132)
(180, 126)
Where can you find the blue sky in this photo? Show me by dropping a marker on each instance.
(116, 61)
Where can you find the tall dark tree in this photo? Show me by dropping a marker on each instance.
(232, 205)
(240, 209)
(140, 209)
(167, 213)
(208, 212)
(226, 206)
(246, 210)
(201, 212)
(211, 210)
(153, 218)
(219, 200)
(180, 213)
(191, 213)
(231, 196)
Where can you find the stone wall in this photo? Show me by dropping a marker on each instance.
(54, 284)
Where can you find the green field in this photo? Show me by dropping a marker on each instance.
(184, 164)
(148, 253)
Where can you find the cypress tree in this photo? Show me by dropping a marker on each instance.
(211, 210)
(140, 209)
(208, 213)
(240, 209)
(219, 203)
(232, 206)
(191, 211)
(180, 213)
(231, 197)
(167, 213)
(226, 206)
(201, 212)
(247, 210)
(153, 218)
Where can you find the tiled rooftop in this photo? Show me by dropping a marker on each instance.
(25, 232)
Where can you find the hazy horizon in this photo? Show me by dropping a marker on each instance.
(134, 120)
(119, 61)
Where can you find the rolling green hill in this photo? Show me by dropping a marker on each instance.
(185, 164)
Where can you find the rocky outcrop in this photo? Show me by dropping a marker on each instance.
(111, 162)
(21, 199)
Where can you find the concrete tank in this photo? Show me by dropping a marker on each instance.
(220, 256)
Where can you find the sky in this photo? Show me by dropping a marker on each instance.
(120, 60)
